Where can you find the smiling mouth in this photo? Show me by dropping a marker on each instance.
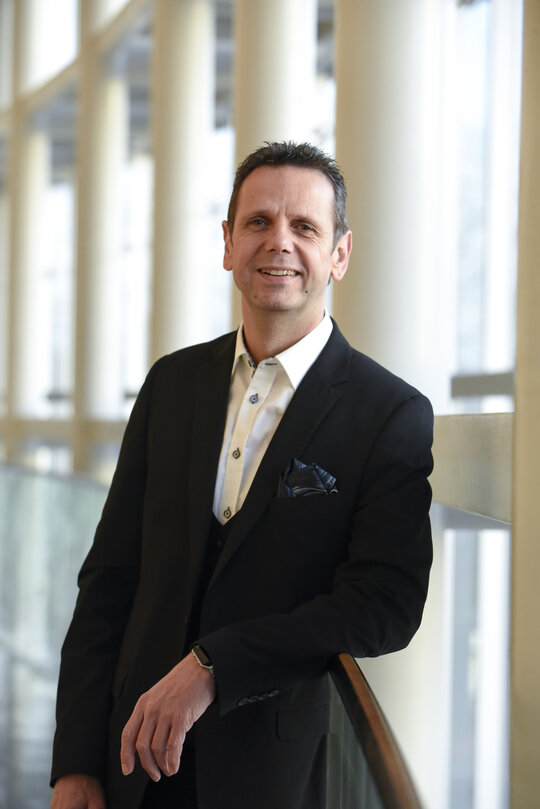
(278, 273)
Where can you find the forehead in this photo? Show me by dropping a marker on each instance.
(294, 189)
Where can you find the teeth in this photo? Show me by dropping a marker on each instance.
(279, 272)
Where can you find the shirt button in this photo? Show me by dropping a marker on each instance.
(254, 399)
(236, 453)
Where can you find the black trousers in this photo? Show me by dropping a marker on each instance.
(177, 792)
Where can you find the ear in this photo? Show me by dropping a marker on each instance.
(340, 256)
(227, 255)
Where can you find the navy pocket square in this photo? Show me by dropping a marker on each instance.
(300, 480)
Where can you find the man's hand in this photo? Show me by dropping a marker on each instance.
(162, 717)
(78, 792)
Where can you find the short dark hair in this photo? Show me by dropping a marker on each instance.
(304, 155)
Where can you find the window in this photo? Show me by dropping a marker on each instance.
(477, 556)
(6, 51)
(4, 228)
(487, 91)
(49, 38)
(46, 245)
(104, 10)
(128, 64)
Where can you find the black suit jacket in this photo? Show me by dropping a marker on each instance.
(300, 579)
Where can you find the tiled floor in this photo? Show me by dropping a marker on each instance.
(45, 528)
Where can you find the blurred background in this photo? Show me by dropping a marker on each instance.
(121, 123)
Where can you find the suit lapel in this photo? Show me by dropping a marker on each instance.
(314, 399)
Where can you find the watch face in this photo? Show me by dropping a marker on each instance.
(202, 657)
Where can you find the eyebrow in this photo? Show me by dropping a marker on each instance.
(267, 214)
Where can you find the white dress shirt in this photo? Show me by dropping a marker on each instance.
(258, 397)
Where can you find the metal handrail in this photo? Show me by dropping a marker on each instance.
(380, 749)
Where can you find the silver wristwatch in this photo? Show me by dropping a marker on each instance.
(203, 660)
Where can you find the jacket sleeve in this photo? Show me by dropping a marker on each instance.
(376, 600)
(107, 582)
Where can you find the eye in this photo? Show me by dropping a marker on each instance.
(305, 227)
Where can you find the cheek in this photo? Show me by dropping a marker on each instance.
(243, 252)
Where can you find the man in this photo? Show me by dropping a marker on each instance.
(269, 510)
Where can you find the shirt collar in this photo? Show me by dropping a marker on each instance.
(298, 358)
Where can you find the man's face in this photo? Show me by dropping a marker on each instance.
(281, 251)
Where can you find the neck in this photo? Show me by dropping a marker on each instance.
(274, 332)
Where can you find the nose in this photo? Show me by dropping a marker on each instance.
(279, 238)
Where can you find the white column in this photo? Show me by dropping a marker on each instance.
(4, 308)
(30, 354)
(387, 134)
(183, 109)
(103, 139)
(525, 651)
(274, 71)
(15, 137)
(275, 64)
(85, 217)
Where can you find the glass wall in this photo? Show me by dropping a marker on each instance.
(478, 557)
(46, 260)
(49, 38)
(6, 51)
(46, 529)
(487, 55)
(54, 336)
(4, 241)
(130, 168)
(104, 10)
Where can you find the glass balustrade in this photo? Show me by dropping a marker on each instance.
(46, 528)
(365, 766)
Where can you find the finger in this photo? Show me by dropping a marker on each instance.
(175, 746)
(143, 747)
(160, 747)
(129, 737)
